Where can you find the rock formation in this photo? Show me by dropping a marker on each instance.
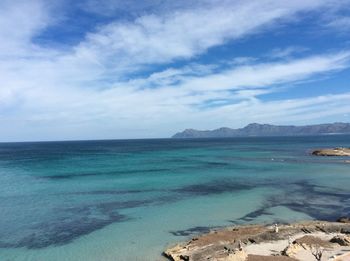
(311, 241)
(332, 152)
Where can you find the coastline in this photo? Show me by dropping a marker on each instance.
(296, 241)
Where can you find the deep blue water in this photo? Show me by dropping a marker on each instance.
(129, 199)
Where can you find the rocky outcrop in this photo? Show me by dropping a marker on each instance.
(332, 152)
(258, 242)
(309, 241)
(239, 255)
(344, 220)
(341, 240)
(291, 250)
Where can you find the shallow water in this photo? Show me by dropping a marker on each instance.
(129, 199)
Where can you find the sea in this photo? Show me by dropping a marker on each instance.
(131, 199)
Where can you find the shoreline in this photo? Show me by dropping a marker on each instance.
(296, 241)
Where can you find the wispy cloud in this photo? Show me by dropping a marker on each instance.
(341, 23)
(187, 33)
(19, 22)
(142, 77)
(286, 52)
(265, 75)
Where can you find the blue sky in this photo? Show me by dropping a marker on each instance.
(104, 69)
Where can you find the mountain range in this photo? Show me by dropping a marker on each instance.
(256, 129)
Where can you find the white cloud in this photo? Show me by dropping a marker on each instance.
(82, 93)
(155, 112)
(20, 20)
(184, 34)
(265, 75)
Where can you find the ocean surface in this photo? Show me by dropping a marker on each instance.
(130, 199)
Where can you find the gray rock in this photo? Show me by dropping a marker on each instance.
(341, 240)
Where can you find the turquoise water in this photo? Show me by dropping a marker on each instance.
(130, 199)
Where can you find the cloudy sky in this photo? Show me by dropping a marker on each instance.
(104, 69)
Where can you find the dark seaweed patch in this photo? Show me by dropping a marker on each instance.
(106, 207)
(192, 231)
(76, 222)
(305, 198)
(61, 232)
(109, 192)
(216, 163)
(216, 187)
(109, 173)
(252, 215)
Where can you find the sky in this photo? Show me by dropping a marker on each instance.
(122, 69)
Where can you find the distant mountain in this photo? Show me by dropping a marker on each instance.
(256, 129)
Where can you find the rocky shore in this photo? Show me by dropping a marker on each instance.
(305, 241)
(332, 152)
